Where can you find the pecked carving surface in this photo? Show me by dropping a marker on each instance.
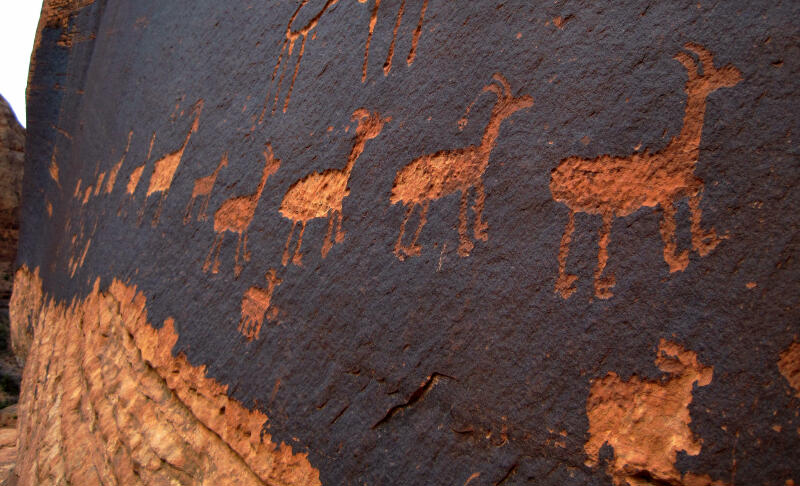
(434, 242)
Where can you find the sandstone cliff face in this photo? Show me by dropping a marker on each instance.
(12, 155)
(410, 243)
(12, 144)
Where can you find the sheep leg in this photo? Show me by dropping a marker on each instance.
(677, 261)
(297, 259)
(255, 328)
(414, 249)
(327, 243)
(216, 246)
(188, 214)
(216, 254)
(565, 282)
(207, 263)
(157, 216)
(603, 284)
(399, 249)
(285, 258)
(480, 226)
(339, 233)
(237, 269)
(703, 241)
(203, 215)
(465, 246)
(141, 212)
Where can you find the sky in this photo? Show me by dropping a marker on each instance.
(17, 31)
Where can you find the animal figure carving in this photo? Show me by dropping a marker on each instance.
(133, 180)
(255, 304)
(437, 175)
(164, 169)
(235, 215)
(320, 194)
(647, 422)
(614, 187)
(292, 35)
(202, 188)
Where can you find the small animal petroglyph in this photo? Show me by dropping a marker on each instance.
(235, 215)
(320, 194)
(434, 176)
(647, 422)
(202, 188)
(165, 167)
(255, 304)
(614, 187)
(292, 35)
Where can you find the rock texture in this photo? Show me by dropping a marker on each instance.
(411, 242)
(106, 402)
(12, 144)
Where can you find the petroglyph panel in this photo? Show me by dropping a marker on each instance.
(373, 236)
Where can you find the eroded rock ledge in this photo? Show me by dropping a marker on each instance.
(114, 406)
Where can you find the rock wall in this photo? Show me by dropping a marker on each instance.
(411, 242)
(12, 146)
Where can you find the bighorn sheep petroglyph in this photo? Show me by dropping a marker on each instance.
(320, 194)
(165, 168)
(614, 187)
(255, 304)
(434, 176)
(235, 215)
(202, 188)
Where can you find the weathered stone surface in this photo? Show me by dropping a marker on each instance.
(8, 442)
(411, 242)
(12, 146)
